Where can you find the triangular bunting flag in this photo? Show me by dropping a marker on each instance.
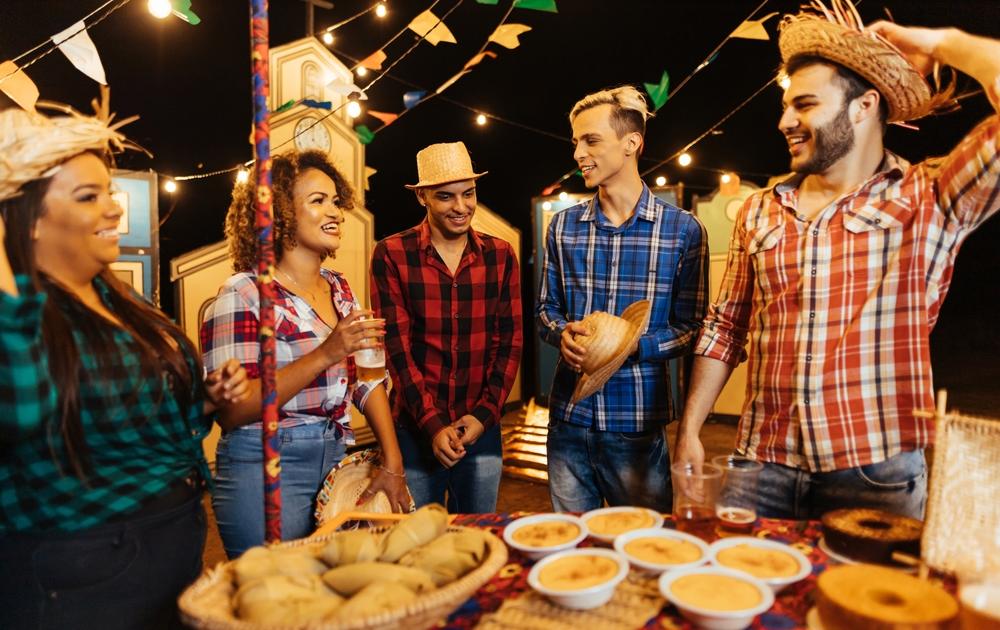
(487, 1)
(76, 44)
(475, 60)
(433, 30)
(549, 190)
(658, 93)
(284, 107)
(369, 172)
(182, 9)
(365, 135)
(450, 82)
(308, 102)
(537, 5)
(412, 98)
(753, 29)
(387, 118)
(17, 86)
(506, 35)
(373, 61)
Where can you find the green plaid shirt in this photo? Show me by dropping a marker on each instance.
(140, 438)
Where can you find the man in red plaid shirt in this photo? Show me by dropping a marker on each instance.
(837, 274)
(451, 300)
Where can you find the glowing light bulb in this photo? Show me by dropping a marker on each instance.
(159, 8)
(784, 81)
(563, 196)
(684, 159)
(481, 119)
(726, 178)
(242, 176)
(546, 205)
(354, 109)
(380, 10)
(170, 186)
(661, 181)
(362, 71)
(328, 38)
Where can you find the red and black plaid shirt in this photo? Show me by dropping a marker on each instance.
(454, 341)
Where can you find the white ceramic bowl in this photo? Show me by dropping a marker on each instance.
(610, 539)
(534, 553)
(776, 583)
(584, 598)
(717, 619)
(659, 532)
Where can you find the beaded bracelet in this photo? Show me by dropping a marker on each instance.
(394, 474)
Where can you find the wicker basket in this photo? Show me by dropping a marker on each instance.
(206, 603)
(963, 510)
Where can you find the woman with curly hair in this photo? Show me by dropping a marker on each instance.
(318, 325)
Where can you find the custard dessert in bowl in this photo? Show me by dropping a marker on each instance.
(774, 563)
(606, 524)
(579, 578)
(656, 550)
(539, 535)
(716, 598)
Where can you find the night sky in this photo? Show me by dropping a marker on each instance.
(191, 87)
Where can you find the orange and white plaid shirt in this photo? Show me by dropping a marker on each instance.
(839, 309)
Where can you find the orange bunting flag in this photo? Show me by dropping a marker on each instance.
(753, 29)
(387, 118)
(17, 86)
(506, 35)
(373, 61)
(478, 58)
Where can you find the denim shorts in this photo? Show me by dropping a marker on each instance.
(308, 453)
(588, 467)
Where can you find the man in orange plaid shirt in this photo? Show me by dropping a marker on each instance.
(837, 274)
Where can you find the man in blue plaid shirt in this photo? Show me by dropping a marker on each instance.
(621, 246)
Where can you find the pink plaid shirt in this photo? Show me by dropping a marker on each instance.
(230, 329)
(839, 309)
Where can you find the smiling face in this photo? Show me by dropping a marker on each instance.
(816, 120)
(599, 151)
(317, 215)
(450, 208)
(76, 236)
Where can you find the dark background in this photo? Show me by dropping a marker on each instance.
(191, 86)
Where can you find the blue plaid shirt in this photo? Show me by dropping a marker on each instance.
(660, 254)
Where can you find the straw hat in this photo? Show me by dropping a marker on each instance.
(608, 345)
(839, 35)
(344, 484)
(442, 164)
(33, 145)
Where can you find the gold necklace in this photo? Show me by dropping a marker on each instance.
(312, 296)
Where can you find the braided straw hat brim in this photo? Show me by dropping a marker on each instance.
(343, 487)
(637, 316)
(443, 164)
(838, 34)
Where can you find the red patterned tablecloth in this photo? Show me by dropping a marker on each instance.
(789, 610)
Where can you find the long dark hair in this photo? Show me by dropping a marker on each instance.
(161, 343)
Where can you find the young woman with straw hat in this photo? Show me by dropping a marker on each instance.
(102, 399)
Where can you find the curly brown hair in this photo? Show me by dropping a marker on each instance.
(285, 169)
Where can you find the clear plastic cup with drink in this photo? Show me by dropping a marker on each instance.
(696, 489)
(736, 506)
(370, 361)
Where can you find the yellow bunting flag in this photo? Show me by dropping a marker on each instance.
(433, 30)
(387, 118)
(369, 171)
(506, 35)
(753, 29)
(450, 82)
(17, 86)
(475, 60)
(373, 61)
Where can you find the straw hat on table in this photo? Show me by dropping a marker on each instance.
(839, 35)
(608, 345)
(443, 164)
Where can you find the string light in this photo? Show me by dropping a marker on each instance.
(354, 109)
(242, 176)
(726, 178)
(546, 205)
(380, 10)
(362, 71)
(170, 186)
(328, 38)
(481, 120)
(159, 8)
(563, 196)
(684, 159)
(661, 181)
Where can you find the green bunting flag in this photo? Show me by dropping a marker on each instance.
(658, 93)
(488, 1)
(365, 135)
(284, 107)
(182, 9)
(537, 5)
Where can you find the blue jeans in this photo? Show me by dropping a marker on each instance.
(898, 484)
(588, 467)
(472, 484)
(308, 452)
